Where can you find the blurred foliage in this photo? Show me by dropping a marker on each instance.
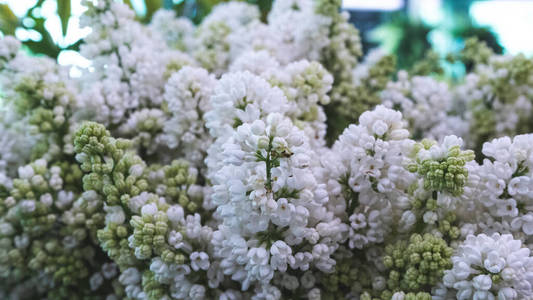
(429, 65)
(465, 29)
(9, 22)
(404, 37)
(408, 39)
(63, 10)
(196, 10)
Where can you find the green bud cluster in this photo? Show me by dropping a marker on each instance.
(502, 80)
(150, 124)
(358, 98)
(341, 281)
(48, 107)
(153, 289)
(117, 175)
(48, 237)
(475, 52)
(65, 265)
(39, 219)
(113, 240)
(341, 55)
(4, 193)
(328, 7)
(149, 236)
(443, 175)
(176, 180)
(418, 296)
(483, 123)
(30, 93)
(142, 128)
(51, 233)
(429, 65)
(367, 91)
(108, 164)
(418, 264)
(448, 226)
(519, 72)
(311, 81)
(340, 58)
(74, 293)
(71, 174)
(309, 84)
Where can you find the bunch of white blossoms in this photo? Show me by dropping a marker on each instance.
(203, 162)
(367, 176)
(486, 267)
(497, 93)
(426, 103)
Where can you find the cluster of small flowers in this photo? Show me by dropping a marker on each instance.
(366, 175)
(486, 267)
(48, 238)
(498, 94)
(192, 162)
(187, 94)
(426, 103)
(500, 188)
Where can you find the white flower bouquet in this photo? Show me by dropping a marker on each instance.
(201, 162)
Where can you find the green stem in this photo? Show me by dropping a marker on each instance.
(354, 202)
(268, 162)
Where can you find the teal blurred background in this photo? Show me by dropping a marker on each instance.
(407, 28)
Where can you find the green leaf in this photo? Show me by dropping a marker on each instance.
(63, 10)
(260, 156)
(128, 2)
(8, 20)
(151, 7)
(286, 193)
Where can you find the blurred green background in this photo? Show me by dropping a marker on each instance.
(51, 26)
(407, 28)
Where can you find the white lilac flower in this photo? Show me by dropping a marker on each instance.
(214, 35)
(497, 95)
(306, 85)
(127, 75)
(256, 62)
(425, 103)
(303, 32)
(178, 32)
(238, 98)
(220, 183)
(367, 176)
(501, 188)
(187, 94)
(266, 194)
(486, 267)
